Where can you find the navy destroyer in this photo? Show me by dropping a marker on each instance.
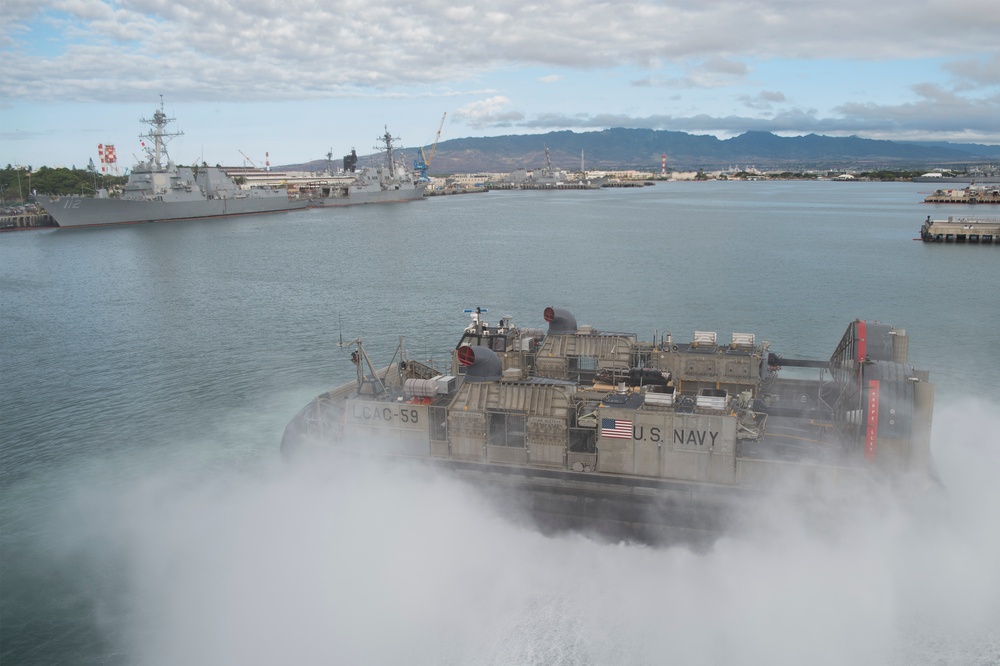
(387, 182)
(661, 440)
(159, 190)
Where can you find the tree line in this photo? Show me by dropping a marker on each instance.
(17, 184)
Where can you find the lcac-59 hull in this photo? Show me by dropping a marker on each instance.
(616, 508)
(661, 441)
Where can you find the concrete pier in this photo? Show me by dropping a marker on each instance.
(628, 183)
(961, 230)
(11, 222)
(974, 194)
(568, 185)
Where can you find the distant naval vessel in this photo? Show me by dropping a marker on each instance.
(159, 190)
(388, 182)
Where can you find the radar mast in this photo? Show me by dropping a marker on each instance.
(158, 136)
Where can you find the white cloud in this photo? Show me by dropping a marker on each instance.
(694, 66)
(960, 121)
(715, 72)
(763, 100)
(977, 71)
(307, 46)
(727, 66)
(936, 110)
(491, 112)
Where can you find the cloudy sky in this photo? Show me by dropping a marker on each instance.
(294, 79)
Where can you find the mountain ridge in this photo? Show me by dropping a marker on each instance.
(643, 149)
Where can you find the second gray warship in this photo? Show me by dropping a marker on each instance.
(388, 182)
(158, 190)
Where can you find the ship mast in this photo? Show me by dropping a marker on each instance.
(387, 139)
(158, 136)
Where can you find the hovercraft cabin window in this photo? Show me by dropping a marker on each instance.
(505, 429)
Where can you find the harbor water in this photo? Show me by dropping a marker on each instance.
(147, 372)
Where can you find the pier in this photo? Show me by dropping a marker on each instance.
(970, 195)
(567, 185)
(448, 191)
(13, 221)
(629, 183)
(961, 230)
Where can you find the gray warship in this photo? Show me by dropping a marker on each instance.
(387, 182)
(158, 190)
(548, 178)
(660, 441)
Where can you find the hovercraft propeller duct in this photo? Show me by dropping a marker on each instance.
(561, 321)
(481, 363)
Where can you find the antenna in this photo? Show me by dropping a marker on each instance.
(387, 139)
(158, 135)
(477, 318)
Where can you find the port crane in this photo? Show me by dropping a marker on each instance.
(421, 165)
(249, 159)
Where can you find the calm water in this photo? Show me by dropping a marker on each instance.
(148, 371)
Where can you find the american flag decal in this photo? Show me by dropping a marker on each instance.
(616, 428)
